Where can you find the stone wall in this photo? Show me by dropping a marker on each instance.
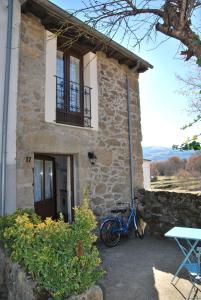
(109, 178)
(111, 175)
(16, 285)
(163, 210)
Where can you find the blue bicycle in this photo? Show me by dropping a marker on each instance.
(126, 220)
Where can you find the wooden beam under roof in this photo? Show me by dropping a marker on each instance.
(53, 16)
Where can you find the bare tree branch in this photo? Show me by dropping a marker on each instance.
(172, 18)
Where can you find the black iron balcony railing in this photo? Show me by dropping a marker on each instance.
(73, 103)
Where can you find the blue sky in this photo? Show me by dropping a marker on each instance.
(163, 109)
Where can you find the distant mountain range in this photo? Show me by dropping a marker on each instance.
(163, 153)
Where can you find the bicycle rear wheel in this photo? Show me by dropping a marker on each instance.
(110, 233)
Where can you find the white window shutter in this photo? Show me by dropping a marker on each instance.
(50, 82)
(90, 79)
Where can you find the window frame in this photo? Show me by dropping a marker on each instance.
(72, 117)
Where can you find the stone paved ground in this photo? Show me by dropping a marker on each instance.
(142, 270)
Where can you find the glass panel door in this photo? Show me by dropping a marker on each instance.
(38, 180)
(44, 196)
(48, 179)
(60, 79)
(60, 64)
(74, 84)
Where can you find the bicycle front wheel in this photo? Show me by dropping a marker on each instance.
(110, 233)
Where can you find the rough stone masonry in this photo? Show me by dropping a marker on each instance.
(162, 210)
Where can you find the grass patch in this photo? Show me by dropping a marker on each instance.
(177, 183)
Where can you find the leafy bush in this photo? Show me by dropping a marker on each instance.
(9, 220)
(60, 257)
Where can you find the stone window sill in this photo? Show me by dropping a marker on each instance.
(72, 126)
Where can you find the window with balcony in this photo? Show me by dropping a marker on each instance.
(71, 86)
(73, 98)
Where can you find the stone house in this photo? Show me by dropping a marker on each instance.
(68, 113)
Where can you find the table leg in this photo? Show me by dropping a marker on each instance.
(194, 252)
(187, 256)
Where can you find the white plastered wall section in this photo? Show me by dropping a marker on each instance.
(50, 89)
(3, 26)
(146, 174)
(90, 80)
(10, 203)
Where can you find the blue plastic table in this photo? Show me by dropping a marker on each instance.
(187, 239)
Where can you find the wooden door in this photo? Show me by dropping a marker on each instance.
(44, 186)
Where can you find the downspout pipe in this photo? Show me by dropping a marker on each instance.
(130, 138)
(5, 107)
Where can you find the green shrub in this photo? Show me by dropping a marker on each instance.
(60, 257)
(9, 220)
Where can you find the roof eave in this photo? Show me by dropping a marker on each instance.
(58, 12)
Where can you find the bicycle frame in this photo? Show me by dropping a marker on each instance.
(123, 227)
(113, 227)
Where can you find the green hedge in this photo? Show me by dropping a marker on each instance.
(61, 258)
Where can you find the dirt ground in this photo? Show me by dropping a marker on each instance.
(142, 270)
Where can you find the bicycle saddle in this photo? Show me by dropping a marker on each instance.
(118, 210)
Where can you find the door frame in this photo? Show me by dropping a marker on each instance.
(51, 156)
(70, 170)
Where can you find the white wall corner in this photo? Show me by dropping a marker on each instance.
(13, 88)
(3, 35)
(91, 80)
(146, 174)
(50, 82)
(10, 203)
